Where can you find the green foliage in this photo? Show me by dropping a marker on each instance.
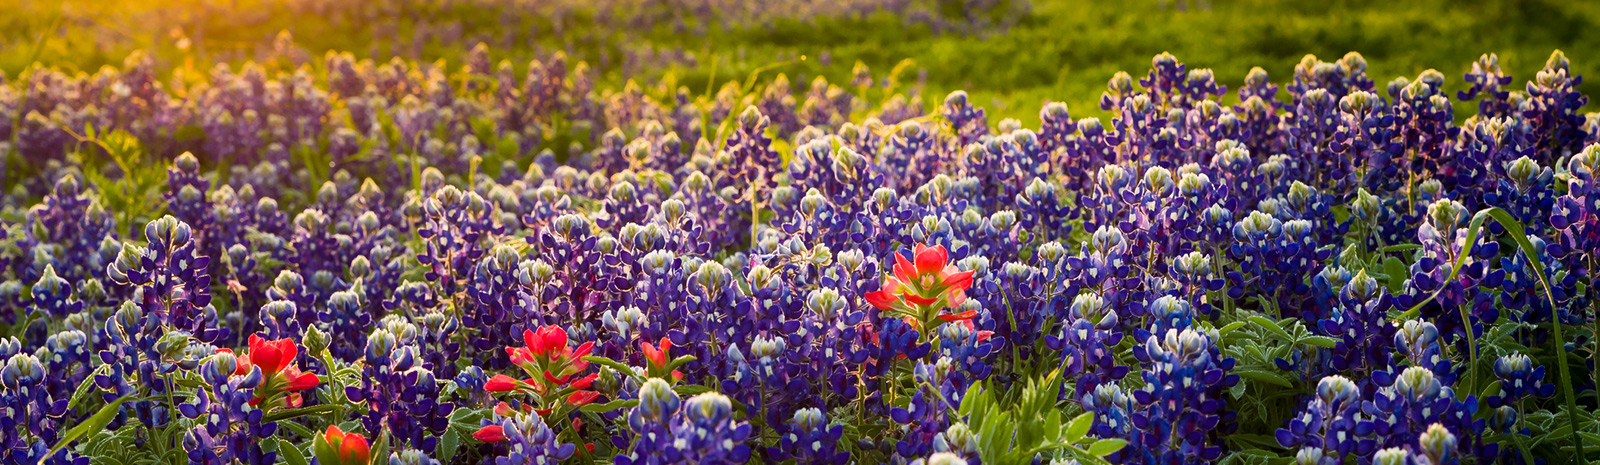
(1072, 47)
(135, 194)
(96, 422)
(1266, 394)
(1033, 425)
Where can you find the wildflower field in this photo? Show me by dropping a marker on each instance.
(259, 254)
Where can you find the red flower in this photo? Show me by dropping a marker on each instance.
(334, 434)
(272, 356)
(544, 340)
(658, 358)
(355, 449)
(555, 370)
(336, 447)
(491, 433)
(963, 316)
(584, 382)
(582, 398)
(547, 349)
(278, 372)
(503, 409)
(926, 281)
(298, 381)
(922, 286)
(500, 383)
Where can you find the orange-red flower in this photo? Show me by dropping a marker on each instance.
(336, 447)
(547, 355)
(657, 359)
(581, 398)
(923, 286)
(272, 356)
(554, 370)
(279, 375)
(500, 383)
(491, 433)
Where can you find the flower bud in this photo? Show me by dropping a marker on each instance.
(314, 340)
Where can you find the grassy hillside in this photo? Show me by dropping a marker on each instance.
(1010, 55)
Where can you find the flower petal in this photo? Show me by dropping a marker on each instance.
(491, 433)
(883, 300)
(931, 259)
(500, 383)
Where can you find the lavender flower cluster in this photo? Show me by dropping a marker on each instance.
(531, 270)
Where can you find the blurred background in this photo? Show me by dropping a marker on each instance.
(1011, 55)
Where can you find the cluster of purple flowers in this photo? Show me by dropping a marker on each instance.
(467, 269)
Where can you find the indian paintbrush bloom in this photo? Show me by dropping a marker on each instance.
(336, 447)
(280, 377)
(553, 369)
(923, 287)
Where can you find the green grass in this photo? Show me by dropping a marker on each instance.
(1061, 50)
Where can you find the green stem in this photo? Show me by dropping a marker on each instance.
(1472, 350)
(1558, 343)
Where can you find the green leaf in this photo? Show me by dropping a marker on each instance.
(610, 406)
(380, 451)
(1079, 427)
(291, 454)
(83, 388)
(1320, 341)
(324, 451)
(1397, 272)
(1493, 389)
(1400, 248)
(449, 443)
(1106, 447)
(615, 365)
(678, 362)
(299, 429)
(1272, 327)
(1238, 390)
(280, 415)
(690, 389)
(1263, 376)
(96, 422)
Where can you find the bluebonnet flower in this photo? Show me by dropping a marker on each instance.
(1417, 399)
(968, 122)
(171, 276)
(232, 429)
(809, 439)
(1554, 99)
(1488, 80)
(186, 196)
(1086, 340)
(33, 415)
(1331, 424)
(1182, 400)
(1519, 378)
(1360, 322)
(698, 430)
(1442, 237)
